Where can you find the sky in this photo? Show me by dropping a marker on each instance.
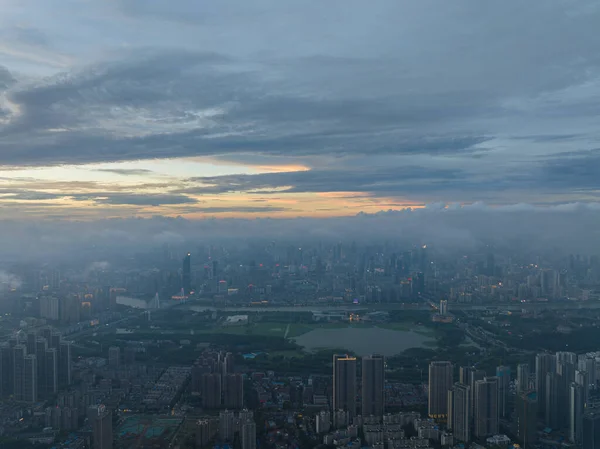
(118, 109)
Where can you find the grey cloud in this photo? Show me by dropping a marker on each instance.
(458, 85)
(126, 171)
(6, 79)
(112, 198)
(239, 209)
(139, 200)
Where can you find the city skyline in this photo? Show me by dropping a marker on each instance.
(269, 110)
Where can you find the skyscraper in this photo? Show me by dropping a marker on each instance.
(373, 383)
(103, 435)
(29, 391)
(526, 417)
(591, 431)
(114, 356)
(234, 391)
(576, 409)
(51, 372)
(464, 375)
(552, 411)
(486, 407)
(344, 383)
(187, 274)
(226, 425)
(461, 412)
(7, 370)
(523, 378)
(249, 434)
(474, 376)
(440, 381)
(544, 364)
(566, 376)
(211, 390)
(41, 345)
(19, 353)
(64, 363)
(503, 375)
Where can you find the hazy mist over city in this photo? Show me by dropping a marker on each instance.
(282, 224)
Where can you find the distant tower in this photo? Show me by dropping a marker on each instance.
(523, 378)
(30, 393)
(64, 363)
(526, 414)
(544, 364)
(234, 391)
(114, 356)
(187, 274)
(591, 431)
(155, 303)
(226, 425)
(486, 407)
(503, 375)
(249, 434)
(103, 435)
(344, 383)
(444, 307)
(373, 383)
(461, 412)
(210, 388)
(440, 381)
(51, 372)
(19, 353)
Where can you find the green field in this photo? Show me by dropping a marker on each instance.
(291, 330)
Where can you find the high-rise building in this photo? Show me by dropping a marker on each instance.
(565, 370)
(523, 378)
(576, 409)
(373, 383)
(552, 412)
(228, 364)
(29, 392)
(544, 364)
(186, 279)
(31, 338)
(7, 370)
(249, 434)
(211, 390)
(344, 383)
(450, 420)
(41, 345)
(103, 434)
(444, 307)
(440, 381)
(323, 421)
(234, 391)
(51, 372)
(582, 378)
(503, 375)
(64, 363)
(114, 356)
(461, 412)
(19, 353)
(464, 375)
(486, 407)
(526, 417)
(474, 376)
(226, 425)
(591, 431)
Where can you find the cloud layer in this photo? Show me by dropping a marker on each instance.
(393, 102)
